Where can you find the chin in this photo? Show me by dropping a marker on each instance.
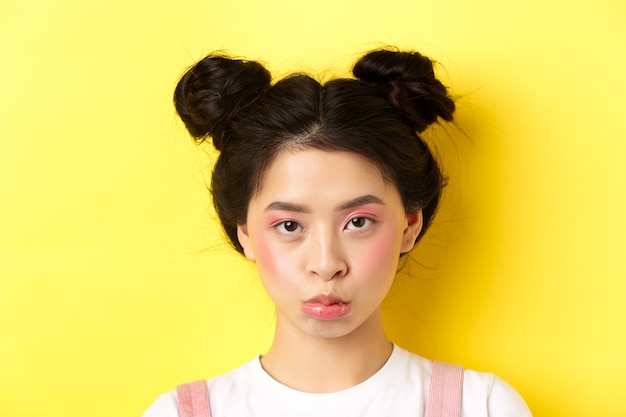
(330, 329)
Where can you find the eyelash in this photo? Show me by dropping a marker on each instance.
(368, 223)
(282, 226)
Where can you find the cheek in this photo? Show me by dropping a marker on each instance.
(272, 262)
(380, 256)
(266, 255)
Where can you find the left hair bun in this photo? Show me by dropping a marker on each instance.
(408, 80)
(214, 90)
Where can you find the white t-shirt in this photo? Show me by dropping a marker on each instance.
(398, 389)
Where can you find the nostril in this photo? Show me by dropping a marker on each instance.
(326, 258)
(332, 273)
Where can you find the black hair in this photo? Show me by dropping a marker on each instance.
(378, 114)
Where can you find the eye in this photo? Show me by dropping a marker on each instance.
(288, 227)
(359, 223)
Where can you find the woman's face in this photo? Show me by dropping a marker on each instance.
(326, 232)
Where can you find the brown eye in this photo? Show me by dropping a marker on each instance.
(359, 223)
(288, 227)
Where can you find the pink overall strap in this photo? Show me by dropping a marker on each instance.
(193, 400)
(446, 389)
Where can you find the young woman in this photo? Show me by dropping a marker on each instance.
(325, 187)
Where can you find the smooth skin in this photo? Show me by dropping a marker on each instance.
(326, 225)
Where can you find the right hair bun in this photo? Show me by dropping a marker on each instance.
(408, 80)
(214, 90)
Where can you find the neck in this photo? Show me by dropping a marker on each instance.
(327, 364)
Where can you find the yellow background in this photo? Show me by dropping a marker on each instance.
(115, 284)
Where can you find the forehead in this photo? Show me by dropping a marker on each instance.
(301, 172)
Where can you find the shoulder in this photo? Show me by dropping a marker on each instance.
(484, 394)
(491, 393)
(166, 405)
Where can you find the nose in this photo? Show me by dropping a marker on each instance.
(326, 258)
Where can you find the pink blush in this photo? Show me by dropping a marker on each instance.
(274, 218)
(265, 254)
(371, 210)
(378, 253)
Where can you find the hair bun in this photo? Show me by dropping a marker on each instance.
(408, 80)
(214, 90)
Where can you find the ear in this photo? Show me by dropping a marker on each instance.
(415, 221)
(244, 241)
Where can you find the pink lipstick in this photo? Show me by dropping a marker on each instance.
(326, 307)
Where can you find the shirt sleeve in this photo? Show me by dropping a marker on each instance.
(486, 395)
(165, 405)
(504, 401)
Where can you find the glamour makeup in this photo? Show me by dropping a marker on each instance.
(326, 307)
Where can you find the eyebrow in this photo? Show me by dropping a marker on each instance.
(298, 208)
